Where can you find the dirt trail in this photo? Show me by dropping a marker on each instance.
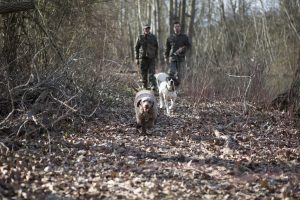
(204, 151)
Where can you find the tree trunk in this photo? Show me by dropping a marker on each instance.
(149, 11)
(191, 31)
(140, 17)
(233, 7)
(175, 14)
(242, 9)
(131, 41)
(130, 32)
(191, 25)
(182, 15)
(155, 17)
(10, 46)
(9, 7)
(171, 16)
(159, 33)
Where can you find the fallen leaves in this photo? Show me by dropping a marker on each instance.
(208, 151)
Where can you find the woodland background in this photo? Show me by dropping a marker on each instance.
(241, 49)
(67, 79)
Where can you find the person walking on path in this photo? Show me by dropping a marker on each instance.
(176, 47)
(146, 51)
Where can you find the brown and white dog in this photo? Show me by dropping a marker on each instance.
(167, 91)
(145, 109)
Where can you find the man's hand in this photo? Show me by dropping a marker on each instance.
(179, 50)
(167, 60)
(137, 61)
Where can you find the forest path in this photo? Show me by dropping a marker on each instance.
(207, 150)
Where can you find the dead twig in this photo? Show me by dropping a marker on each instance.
(5, 147)
(63, 103)
(245, 110)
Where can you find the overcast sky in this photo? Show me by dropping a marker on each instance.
(259, 4)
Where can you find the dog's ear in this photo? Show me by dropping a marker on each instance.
(152, 104)
(138, 103)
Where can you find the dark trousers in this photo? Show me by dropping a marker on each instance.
(177, 70)
(147, 72)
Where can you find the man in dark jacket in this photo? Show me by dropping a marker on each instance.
(146, 50)
(176, 47)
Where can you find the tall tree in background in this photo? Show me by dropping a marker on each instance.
(155, 14)
(130, 31)
(149, 13)
(176, 8)
(236, 36)
(140, 15)
(191, 31)
(13, 21)
(182, 15)
(9, 51)
(192, 19)
(159, 32)
(171, 15)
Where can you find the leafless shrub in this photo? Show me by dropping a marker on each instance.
(62, 70)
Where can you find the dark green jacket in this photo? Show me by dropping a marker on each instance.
(174, 42)
(146, 46)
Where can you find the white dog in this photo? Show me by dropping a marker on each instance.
(160, 77)
(167, 92)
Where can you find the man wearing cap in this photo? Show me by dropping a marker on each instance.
(146, 51)
(176, 46)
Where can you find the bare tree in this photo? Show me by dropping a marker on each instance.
(191, 30)
(192, 20)
(171, 14)
(159, 31)
(11, 40)
(140, 15)
(176, 8)
(130, 26)
(149, 12)
(182, 15)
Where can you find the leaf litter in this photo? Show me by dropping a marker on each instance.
(209, 150)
